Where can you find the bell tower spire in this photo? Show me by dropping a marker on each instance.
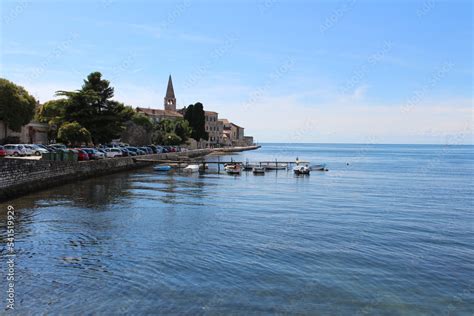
(170, 99)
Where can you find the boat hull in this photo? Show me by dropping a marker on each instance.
(162, 168)
(191, 168)
(301, 170)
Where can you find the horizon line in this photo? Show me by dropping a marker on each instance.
(342, 143)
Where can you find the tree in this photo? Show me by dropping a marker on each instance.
(142, 120)
(92, 107)
(172, 139)
(73, 133)
(171, 132)
(183, 130)
(52, 113)
(194, 114)
(17, 106)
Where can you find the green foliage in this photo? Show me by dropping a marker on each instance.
(183, 130)
(171, 132)
(17, 106)
(142, 120)
(92, 107)
(194, 114)
(172, 139)
(73, 133)
(52, 113)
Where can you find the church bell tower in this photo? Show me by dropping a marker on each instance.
(170, 99)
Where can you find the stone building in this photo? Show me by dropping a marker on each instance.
(233, 134)
(31, 133)
(226, 135)
(211, 124)
(248, 140)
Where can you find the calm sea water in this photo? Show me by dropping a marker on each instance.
(387, 230)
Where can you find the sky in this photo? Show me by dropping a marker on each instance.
(288, 71)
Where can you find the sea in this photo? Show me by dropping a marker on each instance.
(386, 230)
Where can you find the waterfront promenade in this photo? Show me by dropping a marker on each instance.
(23, 176)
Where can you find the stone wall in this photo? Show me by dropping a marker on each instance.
(22, 176)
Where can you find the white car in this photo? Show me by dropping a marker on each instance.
(113, 152)
(34, 150)
(15, 150)
(99, 154)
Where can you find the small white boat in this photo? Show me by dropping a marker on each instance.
(258, 170)
(320, 167)
(233, 169)
(301, 170)
(191, 168)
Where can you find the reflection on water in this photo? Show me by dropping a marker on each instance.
(388, 233)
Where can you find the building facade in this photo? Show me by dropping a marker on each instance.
(211, 124)
(31, 133)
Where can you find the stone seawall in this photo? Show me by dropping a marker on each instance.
(22, 176)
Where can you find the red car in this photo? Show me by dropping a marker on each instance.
(3, 152)
(82, 155)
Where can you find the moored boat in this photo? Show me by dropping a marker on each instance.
(276, 166)
(233, 169)
(302, 170)
(162, 168)
(258, 170)
(191, 168)
(320, 167)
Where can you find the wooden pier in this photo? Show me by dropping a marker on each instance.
(182, 162)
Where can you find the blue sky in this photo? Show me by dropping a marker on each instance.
(288, 71)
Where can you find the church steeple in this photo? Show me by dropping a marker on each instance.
(170, 99)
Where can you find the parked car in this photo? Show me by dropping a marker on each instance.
(135, 151)
(15, 150)
(58, 146)
(45, 147)
(102, 150)
(3, 152)
(125, 152)
(113, 152)
(35, 150)
(146, 150)
(153, 148)
(82, 155)
(93, 154)
(99, 154)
